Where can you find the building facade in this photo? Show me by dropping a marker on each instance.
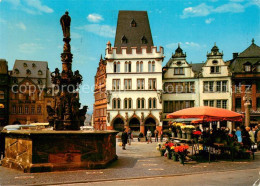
(30, 93)
(100, 105)
(180, 84)
(134, 76)
(192, 85)
(245, 69)
(4, 93)
(215, 83)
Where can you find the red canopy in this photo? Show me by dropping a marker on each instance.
(207, 113)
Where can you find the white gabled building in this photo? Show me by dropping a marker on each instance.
(134, 75)
(180, 84)
(215, 82)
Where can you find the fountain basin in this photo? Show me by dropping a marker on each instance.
(46, 151)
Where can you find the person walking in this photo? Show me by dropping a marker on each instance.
(245, 137)
(156, 135)
(129, 134)
(161, 135)
(124, 139)
(238, 133)
(149, 136)
(251, 134)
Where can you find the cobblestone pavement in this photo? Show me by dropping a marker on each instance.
(139, 160)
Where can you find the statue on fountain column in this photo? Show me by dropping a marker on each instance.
(65, 24)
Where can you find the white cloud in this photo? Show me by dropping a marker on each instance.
(254, 2)
(205, 10)
(30, 6)
(38, 6)
(101, 30)
(230, 7)
(209, 20)
(200, 10)
(30, 47)
(95, 18)
(21, 26)
(184, 45)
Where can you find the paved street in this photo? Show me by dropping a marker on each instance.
(142, 160)
(243, 178)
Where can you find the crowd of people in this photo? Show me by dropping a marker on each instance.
(127, 136)
(249, 137)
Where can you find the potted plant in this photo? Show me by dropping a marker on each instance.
(196, 135)
(189, 129)
(168, 146)
(182, 152)
(184, 135)
(174, 154)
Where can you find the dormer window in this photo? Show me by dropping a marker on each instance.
(258, 67)
(214, 70)
(124, 39)
(25, 64)
(178, 63)
(215, 62)
(133, 23)
(33, 65)
(248, 67)
(39, 72)
(28, 72)
(144, 40)
(16, 71)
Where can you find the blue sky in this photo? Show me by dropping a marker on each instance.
(30, 29)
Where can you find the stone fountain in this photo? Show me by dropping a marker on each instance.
(66, 147)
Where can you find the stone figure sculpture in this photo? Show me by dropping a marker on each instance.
(65, 24)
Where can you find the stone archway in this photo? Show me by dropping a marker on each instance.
(150, 123)
(118, 124)
(134, 124)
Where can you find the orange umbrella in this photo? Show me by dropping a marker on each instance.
(207, 114)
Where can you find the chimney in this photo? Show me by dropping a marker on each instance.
(235, 55)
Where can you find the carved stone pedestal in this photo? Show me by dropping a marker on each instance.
(45, 151)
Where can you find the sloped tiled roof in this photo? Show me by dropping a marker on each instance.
(250, 55)
(196, 67)
(24, 65)
(134, 34)
(252, 51)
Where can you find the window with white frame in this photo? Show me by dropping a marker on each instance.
(140, 103)
(214, 69)
(149, 66)
(153, 66)
(178, 71)
(140, 84)
(152, 84)
(116, 84)
(128, 84)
